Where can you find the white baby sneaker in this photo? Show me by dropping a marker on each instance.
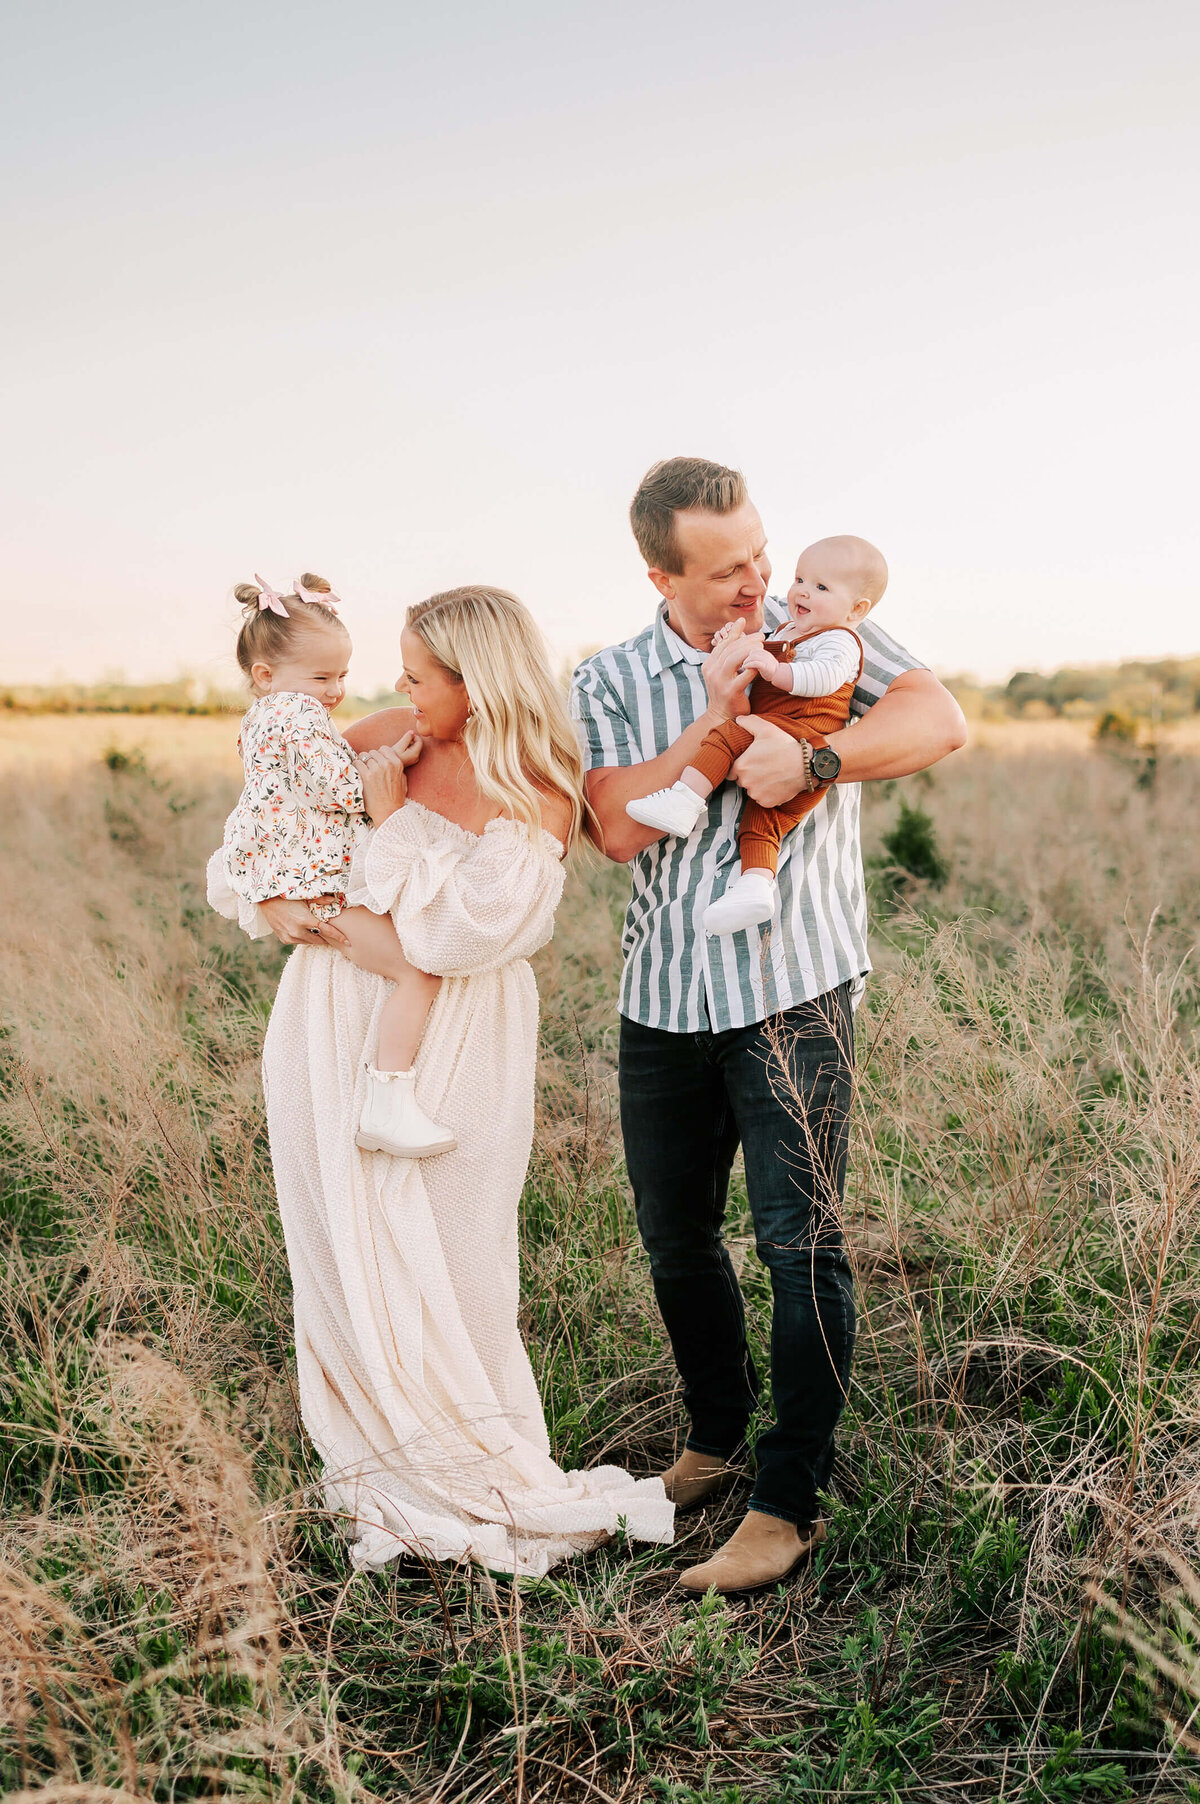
(748, 902)
(674, 810)
(393, 1121)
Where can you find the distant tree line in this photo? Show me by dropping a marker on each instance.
(1165, 689)
(187, 695)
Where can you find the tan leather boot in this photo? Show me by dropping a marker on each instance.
(694, 1478)
(761, 1551)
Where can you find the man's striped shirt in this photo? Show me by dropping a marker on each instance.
(630, 703)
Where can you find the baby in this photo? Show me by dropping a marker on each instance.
(803, 682)
(296, 825)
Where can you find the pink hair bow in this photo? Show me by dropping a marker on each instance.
(267, 598)
(317, 595)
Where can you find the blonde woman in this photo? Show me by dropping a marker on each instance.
(414, 1383)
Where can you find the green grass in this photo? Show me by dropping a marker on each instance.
(178, 1620)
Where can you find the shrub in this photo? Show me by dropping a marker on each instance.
(912, 847)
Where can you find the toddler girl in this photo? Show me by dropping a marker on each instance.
(296, 825)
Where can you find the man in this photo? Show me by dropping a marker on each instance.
(747, 1037)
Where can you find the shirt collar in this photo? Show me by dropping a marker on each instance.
(667, 648)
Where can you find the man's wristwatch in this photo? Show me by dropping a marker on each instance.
(825, 764)
(821, 764)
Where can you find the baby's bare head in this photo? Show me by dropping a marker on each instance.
(838, 581)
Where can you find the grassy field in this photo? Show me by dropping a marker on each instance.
(1006, 1607)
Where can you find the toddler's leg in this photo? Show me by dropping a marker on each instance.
(402, 1019)
(750, 899)
(374, 947)
(677, 809)
(696, 781)
(392, 1119)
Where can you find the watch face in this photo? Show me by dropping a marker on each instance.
(826, 763)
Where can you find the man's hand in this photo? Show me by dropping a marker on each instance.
(722, 670)
(914, 723)
(771, 770)
(294, 924)
(384, 777)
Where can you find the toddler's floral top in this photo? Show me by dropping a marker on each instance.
(300, 816)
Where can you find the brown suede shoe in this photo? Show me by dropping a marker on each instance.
(694, 1478)
(762, 1551)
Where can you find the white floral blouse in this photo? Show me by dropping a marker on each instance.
(300, 816)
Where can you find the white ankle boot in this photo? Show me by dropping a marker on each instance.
(748, 902)
(393, 1121)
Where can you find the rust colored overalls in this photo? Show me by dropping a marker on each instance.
(809, 717)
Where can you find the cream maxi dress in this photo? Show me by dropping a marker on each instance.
(414, 1383)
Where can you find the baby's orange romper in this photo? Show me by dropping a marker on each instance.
(809, 717)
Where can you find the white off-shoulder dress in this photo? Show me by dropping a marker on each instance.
(415, 1385)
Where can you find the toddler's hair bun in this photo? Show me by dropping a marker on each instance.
(316, 584)
(247, 594)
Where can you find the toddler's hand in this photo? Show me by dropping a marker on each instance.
(761, 660)
(408, 749)
(732, 629)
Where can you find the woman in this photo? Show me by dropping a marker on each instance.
(414, 1383)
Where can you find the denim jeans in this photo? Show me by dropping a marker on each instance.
(781, 1087)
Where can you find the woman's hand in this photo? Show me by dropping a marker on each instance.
(294, 924)
(384, 776)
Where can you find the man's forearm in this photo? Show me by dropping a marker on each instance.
(612, 785)
(916, 722)
(913, 724)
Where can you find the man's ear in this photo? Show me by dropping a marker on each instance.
(663, 583)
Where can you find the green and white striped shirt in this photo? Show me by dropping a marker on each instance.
(630, 703)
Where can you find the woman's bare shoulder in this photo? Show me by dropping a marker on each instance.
(382, 728)
(556, 812)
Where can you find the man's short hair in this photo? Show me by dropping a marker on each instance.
(671, 487)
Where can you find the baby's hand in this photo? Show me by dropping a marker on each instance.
(730, 630)
(408, 749)
(761, 660)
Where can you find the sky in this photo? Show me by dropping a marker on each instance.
(412, 296)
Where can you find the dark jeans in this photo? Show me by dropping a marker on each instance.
(781, 1087)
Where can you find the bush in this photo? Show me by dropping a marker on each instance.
(912, 847)
(1116, 727)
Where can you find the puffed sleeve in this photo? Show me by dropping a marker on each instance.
(320, 765)
(224, 898)
(461, 903)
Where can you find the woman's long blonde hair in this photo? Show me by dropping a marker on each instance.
(518, 733)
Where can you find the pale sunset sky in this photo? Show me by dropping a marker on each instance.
(411, 296)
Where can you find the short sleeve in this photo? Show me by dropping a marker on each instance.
(883, 661)
(605, 731)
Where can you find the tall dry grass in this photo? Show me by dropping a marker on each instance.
(1018, 1474)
